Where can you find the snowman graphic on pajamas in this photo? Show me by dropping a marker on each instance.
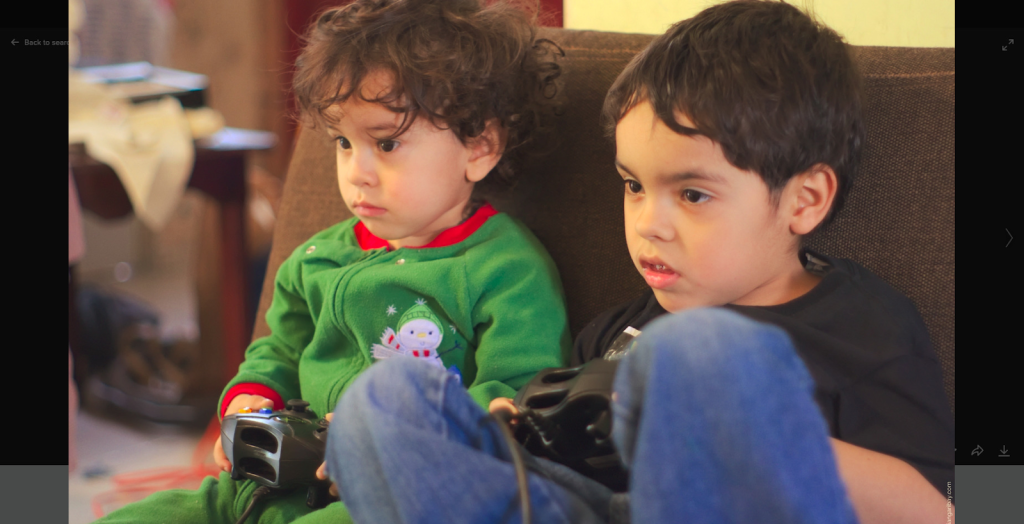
(419, 336)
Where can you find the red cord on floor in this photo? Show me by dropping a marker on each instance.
(137, 485)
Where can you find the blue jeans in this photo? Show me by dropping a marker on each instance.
(714, 417)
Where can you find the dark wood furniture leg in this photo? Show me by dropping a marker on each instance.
(222, 176)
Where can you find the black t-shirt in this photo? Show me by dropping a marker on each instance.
(878, 381)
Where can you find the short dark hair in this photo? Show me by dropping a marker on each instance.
(778, 90)
(456, 62)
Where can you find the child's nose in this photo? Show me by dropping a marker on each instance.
(653, 222)
(361, 170)
(421, 335)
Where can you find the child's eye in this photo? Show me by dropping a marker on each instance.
(387, 146)
(632, 186)
(694, 197)
(344, 143)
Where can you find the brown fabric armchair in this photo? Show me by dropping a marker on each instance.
(898, 220)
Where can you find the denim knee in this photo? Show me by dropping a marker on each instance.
(396, 388)
(719, 344)
(388, 385)
(711, 336)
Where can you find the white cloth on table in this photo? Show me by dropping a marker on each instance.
(148, 145)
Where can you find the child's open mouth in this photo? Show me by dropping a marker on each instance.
(657, 274)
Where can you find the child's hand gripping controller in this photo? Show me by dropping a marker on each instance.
(278, 449)
(566, 417)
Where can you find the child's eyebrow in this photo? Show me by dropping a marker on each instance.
(693, 174)
(382, 127)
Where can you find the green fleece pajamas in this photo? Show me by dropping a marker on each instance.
(224, 500)
(483, 300)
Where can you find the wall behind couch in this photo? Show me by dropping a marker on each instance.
(902, 23)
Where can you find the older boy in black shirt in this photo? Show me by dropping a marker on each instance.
(850, 365)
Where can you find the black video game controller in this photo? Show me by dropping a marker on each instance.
(278, 449)
(566, 417)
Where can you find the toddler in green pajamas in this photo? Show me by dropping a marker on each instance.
(428, 103)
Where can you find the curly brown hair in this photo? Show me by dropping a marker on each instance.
(778, 90)
(456, 62)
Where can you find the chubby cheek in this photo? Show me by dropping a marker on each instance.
(343, 172)
(633, 239)
(347, 190)
(715, 254)
(412, 197)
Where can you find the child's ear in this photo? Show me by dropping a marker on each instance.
(813, 192)
(485, 150)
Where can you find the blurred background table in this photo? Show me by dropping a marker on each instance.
(219, 171)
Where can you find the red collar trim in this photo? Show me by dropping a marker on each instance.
(366, 239)
(448, 237)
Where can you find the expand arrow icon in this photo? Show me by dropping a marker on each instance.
(1011, 238)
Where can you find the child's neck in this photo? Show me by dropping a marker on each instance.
(802, 284)
(457, 215)
(794, 281)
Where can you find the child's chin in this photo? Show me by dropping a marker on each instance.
(380, 231)
(674, 302)
(666, 300)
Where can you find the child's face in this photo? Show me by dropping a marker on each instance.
(701, 231)
(406, 190)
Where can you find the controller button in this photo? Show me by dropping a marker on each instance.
(245, 410)
(266, 411)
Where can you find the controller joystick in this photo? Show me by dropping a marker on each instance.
(279, 449)
(296, 405)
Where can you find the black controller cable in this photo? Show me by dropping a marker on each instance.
(259, 493)
(504, 419)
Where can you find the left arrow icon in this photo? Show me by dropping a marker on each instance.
(14, 41)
